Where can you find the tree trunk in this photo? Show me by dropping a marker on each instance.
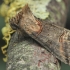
(24, 53)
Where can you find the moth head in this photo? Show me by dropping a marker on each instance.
(24, 13)
(13, 23)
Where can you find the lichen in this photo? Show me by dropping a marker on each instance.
(39, 9)
(62, 3)
(10, 8)
(59, 0)
(6, 31)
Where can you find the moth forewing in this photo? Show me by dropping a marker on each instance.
(56, 40)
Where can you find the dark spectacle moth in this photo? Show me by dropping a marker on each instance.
(52, 37)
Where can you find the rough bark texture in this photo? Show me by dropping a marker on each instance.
(24, 53)
(29, 55)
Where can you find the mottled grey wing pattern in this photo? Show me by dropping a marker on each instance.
(56, 40)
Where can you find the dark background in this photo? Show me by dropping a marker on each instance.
(2, 23)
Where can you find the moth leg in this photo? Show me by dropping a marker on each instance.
(41, 27)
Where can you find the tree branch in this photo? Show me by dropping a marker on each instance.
(24, 53)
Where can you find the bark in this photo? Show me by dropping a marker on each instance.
(24, 53)
(29, 55)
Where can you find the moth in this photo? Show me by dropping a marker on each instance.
(53, 38)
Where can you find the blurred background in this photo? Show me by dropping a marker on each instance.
(2, 23)
(2, 63)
